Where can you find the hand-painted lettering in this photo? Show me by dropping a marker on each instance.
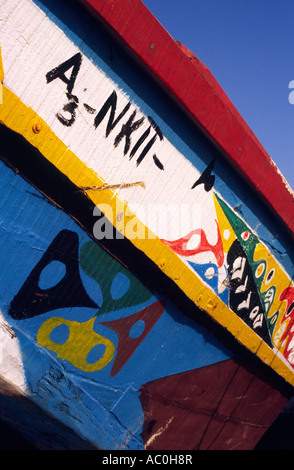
(129, 127)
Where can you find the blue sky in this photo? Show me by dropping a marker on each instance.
(248, 45)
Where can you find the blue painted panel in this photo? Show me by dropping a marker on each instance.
(88, 401)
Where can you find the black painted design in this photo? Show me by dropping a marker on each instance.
(244, 298)
(206, 178)
(89, 108)
(31, 300)
(158, 162)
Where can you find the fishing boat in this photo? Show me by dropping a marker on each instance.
(146, 250)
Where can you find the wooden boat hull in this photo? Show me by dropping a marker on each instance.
(159, 368)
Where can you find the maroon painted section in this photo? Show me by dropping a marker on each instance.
(219, 407)
(194, 88)
(122, 326)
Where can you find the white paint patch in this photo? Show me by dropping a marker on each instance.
(227, 234)
(194, 242)
(11, 366)
(209, 273)
(158, 433)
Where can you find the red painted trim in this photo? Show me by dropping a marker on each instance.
(194, 88)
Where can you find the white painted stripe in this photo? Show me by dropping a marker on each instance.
(11, 367)
(32, 45)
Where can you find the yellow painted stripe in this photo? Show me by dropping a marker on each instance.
(23, 120)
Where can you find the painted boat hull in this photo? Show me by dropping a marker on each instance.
(132, 336)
